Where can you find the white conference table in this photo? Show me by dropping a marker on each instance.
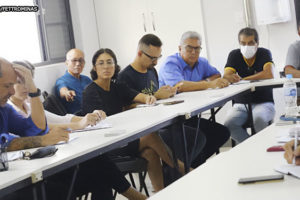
(135, 123)
(217, 179)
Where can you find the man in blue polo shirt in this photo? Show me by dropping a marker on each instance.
(189, 72)
(12, 124)
(70, 86)
(186, 70)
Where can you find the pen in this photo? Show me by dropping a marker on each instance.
(295, 146)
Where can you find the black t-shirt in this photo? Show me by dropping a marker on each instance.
(236, 62)
(111, 102)
(146, 83)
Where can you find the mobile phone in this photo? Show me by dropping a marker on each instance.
(261, 178)
(173, 102)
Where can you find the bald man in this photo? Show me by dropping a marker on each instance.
(69, 87)
(32, 130)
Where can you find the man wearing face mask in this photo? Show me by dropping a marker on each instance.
(249, 63)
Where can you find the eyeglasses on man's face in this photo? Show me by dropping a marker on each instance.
(80, 60)
(153, 58)
(190, 48)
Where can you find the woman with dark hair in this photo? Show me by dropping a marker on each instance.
(110, 96)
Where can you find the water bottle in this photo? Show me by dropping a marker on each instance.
(290, 96)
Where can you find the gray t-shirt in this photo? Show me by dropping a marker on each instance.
(293, 55)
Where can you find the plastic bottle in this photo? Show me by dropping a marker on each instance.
(290, 96)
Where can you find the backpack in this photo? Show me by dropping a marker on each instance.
(52, 104)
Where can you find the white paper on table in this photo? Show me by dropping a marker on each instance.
(71, 138)
(291, 169)
(101, 125)
(146, 105)
(284, 139)
(241, 82)
(14, 155)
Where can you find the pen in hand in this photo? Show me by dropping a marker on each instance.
(295, 146)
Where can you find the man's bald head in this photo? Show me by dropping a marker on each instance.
(8, 78)
(75, 62)
(71, 53)
(5, 66)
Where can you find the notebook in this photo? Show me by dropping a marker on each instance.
(289, 169)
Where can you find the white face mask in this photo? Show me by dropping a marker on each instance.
(248, 51)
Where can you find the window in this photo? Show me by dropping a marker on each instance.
(41, 37)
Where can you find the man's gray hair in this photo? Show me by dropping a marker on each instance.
(188, 35)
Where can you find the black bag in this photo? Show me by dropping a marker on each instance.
(52, 104)
(3, 155)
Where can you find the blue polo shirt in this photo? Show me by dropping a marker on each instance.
(72, 83)
(174, 69)
(13, 125)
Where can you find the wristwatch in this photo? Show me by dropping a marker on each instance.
(35, 94)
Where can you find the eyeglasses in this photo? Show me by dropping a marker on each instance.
(108, 63)
(190, 48)
(80, 60)
(153, 59)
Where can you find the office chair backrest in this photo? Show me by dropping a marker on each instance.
(52, 104)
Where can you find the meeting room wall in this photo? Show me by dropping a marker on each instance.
(113, 24)
(119, 24)
(45, 76)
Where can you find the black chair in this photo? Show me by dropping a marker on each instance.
(52, 104)
(129, 165)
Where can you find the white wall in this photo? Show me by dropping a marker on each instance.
(85, 30)
(224, 19)
(45, 76)
(278, 37)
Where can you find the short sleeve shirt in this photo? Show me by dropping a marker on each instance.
(174, 69)
(146, 83)
(237, 63)
(293, 55)
(111, 102)
(13, 124)
(72, 83)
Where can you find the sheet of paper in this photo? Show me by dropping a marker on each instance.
(284, 139)
(102, 124)
(14, 155)
(146, 105)
(241, 82)
(289, 169)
